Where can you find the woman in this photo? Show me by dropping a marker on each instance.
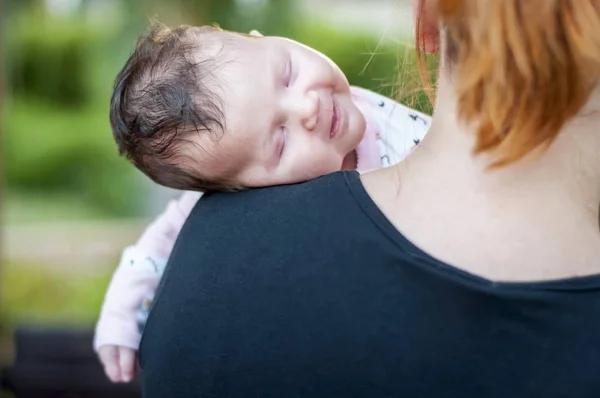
(470, 269)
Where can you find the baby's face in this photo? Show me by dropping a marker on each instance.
(289, 114)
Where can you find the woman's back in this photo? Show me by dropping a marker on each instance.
(309, 291)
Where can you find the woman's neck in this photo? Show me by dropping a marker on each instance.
(568, 172)
(540, 202)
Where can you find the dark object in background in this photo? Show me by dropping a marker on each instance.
(55, 363)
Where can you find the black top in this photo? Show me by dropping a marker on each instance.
(309, 291)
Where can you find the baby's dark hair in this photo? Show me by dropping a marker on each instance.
(159, 99)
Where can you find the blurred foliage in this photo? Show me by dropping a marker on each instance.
(57, 135)
(31, 207)
(273, 16)
(49, 60)
(33, 293)
(52, 151)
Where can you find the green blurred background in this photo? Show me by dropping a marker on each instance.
(70, 204)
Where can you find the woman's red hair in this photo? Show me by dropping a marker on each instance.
(522, 68)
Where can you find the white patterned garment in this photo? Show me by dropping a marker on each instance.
(398, 128)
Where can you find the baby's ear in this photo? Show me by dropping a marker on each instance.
(255, 33)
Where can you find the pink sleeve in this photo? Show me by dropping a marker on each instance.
(135, 280)
(159, 238)
(138, 274)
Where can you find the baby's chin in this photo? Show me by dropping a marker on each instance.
(350, 162)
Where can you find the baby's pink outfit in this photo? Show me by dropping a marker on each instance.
(392, 130)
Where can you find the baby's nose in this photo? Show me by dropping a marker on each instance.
(310, 110)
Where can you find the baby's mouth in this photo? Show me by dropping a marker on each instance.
(335, 119)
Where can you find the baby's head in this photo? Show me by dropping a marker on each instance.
(198, 108)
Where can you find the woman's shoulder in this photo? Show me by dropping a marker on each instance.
(329, 191)
(295, 217)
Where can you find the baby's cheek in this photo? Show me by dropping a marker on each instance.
(313, 163)
(327, 162)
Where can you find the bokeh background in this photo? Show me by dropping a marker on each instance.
(69, 203)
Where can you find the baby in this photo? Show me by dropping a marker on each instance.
(202, 109)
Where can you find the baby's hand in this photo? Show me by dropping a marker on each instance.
(119, 362)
